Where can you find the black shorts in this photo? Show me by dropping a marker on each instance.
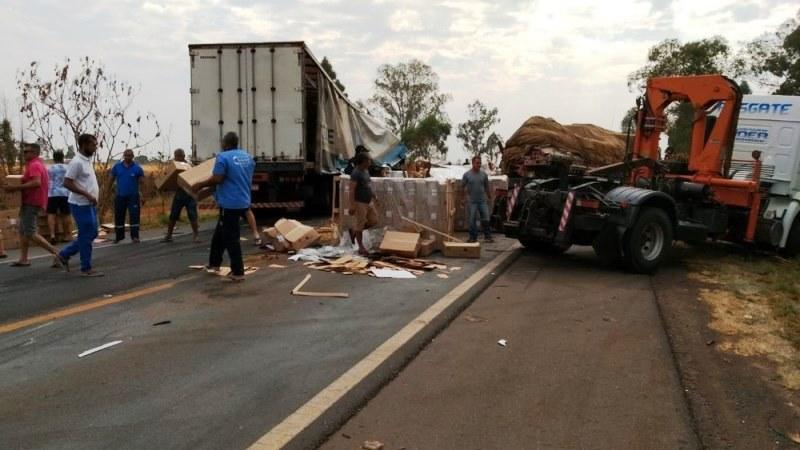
(180, 201)
(57, 205)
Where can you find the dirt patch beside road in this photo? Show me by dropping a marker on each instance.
(733, 346)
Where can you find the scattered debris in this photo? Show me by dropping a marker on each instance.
(97, 349)
(107, 295)
(711, 342)
(474, 319)
(442, 275)
(163, 322)
(372, 445)
(224, 271)
(346, 436)
(276, 266)
(502, 343)
(432, 230)
(297, 291)
(392, 273)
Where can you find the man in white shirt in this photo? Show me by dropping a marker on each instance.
(81, 181)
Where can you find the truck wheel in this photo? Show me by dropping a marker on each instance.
(648, 242)
(551, 248)
(792, 248)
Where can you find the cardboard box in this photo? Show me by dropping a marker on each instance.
(12, 180)
(276, 240)
(197, 174)
(169, 181)
(400, 243)
(462, 249)
(299, 236)
(427, 246)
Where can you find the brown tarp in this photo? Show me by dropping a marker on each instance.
(589, 144)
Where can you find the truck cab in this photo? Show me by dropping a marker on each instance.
(770, 124)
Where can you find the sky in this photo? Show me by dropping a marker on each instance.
(565, 59)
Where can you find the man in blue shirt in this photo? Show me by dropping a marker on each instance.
(233, 177)
(127, 173)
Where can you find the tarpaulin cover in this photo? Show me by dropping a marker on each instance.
(343, 127)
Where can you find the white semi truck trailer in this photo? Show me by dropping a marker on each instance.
(771, 124)
(299, 127)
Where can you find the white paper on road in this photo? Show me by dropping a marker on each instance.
(97, 349)
(391, 273)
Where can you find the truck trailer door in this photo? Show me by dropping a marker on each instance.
(274, 77)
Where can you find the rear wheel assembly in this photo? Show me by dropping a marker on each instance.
(648, 242)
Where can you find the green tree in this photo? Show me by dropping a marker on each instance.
(8, 150)
(70, 153)
(427, 138)
(407, 93)
(629, 120)
(472, 133)
(671, 58)
(328, 68)
(142, 159)
(774, 59)
(744, 87)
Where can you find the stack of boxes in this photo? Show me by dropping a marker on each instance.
(424, 200)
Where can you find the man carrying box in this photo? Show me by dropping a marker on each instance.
(233, 176)
(34, 188)
(180, 201)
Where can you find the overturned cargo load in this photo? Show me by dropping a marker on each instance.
(583, 144)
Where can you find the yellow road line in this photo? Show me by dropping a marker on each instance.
(295, 423)
(88, 306)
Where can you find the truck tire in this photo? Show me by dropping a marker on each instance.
(538, 246)
(647, 243)
(792, 248)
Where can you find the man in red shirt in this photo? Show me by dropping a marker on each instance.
(34, 189)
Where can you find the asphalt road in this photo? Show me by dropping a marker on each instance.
(587, 364)
(232, 361)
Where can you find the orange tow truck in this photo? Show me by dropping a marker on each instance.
(633, 210)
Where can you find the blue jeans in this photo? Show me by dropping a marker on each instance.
(129, 203)
(86, 220)
(473, 210)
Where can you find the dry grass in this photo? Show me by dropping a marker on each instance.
(755, 300)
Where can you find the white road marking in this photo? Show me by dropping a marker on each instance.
(295, 423)
(97, 349)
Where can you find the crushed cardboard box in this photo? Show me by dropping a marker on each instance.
(196, 175)
(400, 243)
(298, 235)
(169, 180)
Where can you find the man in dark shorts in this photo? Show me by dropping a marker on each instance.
(34, 189)
(180, 201)
(57, 205)
(362, 206)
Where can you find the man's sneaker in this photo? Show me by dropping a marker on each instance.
(488, 240)
(211, 269)
(135, 240)
(236, 278)
(93, 273)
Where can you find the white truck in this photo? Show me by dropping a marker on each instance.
(289, 115)
(771, 124)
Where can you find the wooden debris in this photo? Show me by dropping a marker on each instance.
(432, 230)
(297, 291)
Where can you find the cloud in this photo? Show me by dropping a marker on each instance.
(568, 59)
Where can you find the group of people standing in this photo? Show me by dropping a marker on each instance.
(72, 189)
